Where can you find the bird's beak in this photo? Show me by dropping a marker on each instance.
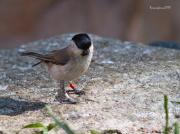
(85, 52)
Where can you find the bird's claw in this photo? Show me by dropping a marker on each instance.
(78, 92)
(67, 100)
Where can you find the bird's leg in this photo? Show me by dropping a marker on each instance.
(63, 96)
(75, 90)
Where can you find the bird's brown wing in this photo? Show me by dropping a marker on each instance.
(58, 57)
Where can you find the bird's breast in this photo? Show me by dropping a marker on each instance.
(72, 70)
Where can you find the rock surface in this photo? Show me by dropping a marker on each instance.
(124, 88)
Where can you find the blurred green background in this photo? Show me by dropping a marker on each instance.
(143, 21)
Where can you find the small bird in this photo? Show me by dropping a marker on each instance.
(67, 64)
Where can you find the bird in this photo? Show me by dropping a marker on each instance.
(67, 64)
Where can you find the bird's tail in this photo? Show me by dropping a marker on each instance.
(31, 54)
(35, 55)
(38, 56)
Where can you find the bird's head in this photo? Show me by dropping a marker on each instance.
(82, 41)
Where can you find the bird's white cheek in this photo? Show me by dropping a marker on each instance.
(76, 51)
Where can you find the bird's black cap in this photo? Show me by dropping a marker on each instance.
(82, 41)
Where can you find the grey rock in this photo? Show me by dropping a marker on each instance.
(124, 88)
(166, 44)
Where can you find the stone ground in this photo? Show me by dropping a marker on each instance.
(124, 88)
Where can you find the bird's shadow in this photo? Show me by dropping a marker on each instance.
(12, 107)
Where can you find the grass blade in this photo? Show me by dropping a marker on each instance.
(166, 129)
(176, 128)
(45, 131)
(34, 125)
(60, 124)
(51, 126)
(177, 102)
(94, 132)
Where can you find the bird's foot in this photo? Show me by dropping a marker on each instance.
(76, 91)
(66, 99)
